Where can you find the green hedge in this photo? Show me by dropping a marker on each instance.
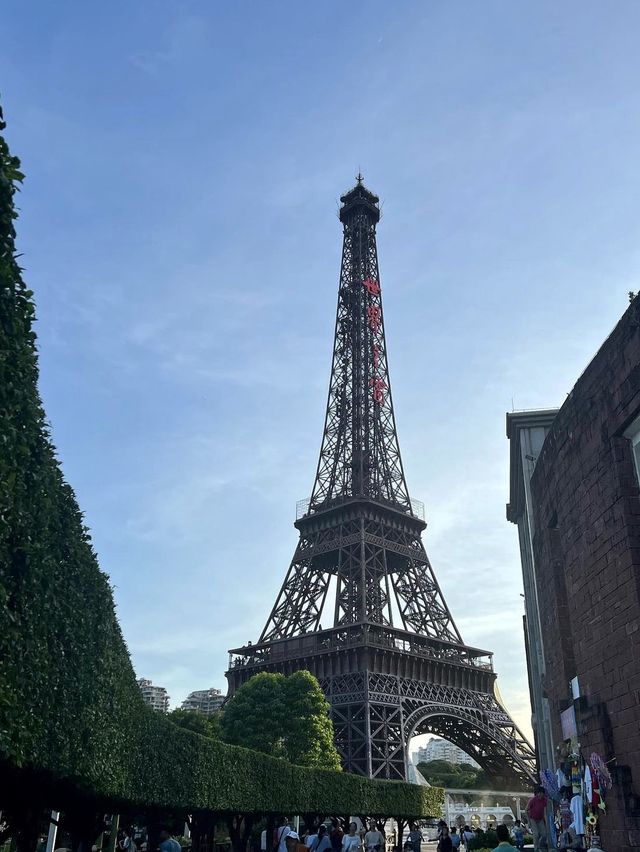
(69, 703)
(188, 770)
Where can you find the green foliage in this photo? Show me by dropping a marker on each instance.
(308, 731)
(284, 717)
(254, 717)
(484, 840)
(461, 776)
(195, 720)
(70, 709)
(184, 770)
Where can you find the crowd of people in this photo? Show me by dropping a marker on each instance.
(333, 839)
(451, 839)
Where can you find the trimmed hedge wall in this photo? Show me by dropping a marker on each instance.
(188, 770)
(69, 703)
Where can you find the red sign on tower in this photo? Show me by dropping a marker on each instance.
(378, 386)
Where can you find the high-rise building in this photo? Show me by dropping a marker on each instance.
(155, 696)
(207, 701)
(437, 749)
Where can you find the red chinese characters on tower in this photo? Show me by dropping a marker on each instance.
(372, 286)
(379, 387)
(376, 355)
(374, 317)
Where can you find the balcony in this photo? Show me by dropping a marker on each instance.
(416, 506)
(353, 635)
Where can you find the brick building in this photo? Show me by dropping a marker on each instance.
(586, 545)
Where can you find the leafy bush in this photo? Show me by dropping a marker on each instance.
(484, 839)
(70, 708)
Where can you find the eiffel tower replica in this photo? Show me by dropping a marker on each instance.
(393, 663)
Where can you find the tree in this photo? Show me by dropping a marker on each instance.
(284, 716)
(194, 720)
(254, 717)
(461, 776)
(308, 733)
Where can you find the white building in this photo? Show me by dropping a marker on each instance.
(155, 696)
(437, 749)
(207, 701)
(526, 431)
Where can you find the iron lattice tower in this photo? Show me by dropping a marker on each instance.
(393, 663)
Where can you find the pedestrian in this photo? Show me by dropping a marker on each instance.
(168, 843)
(536, 812)
(127, 843)
(503, 839)
(415, 837)
(445, 844)
(336, 835)
(322, 843)
(518, 834)
(467, 835)
(281, 835)
(374, 839)
(455, 838)
(352, 842)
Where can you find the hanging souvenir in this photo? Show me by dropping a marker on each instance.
(548, 781)
(576, 779)
(600, 769)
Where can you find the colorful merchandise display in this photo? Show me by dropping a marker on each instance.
(576, 790)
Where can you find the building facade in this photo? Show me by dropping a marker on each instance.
(585, 493)
(155, 696)
(207, 701)
(526, 431)
(439, 749)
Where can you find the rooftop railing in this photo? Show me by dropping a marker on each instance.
(416, 506)
(353, 635)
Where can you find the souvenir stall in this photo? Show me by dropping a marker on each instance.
(576, 791)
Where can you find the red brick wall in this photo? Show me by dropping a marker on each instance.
(587, 550)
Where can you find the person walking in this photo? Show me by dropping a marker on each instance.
(455, 838)
(445, 844)
(536, 808)
(415, 837)
(374, 839)
(322, 843)
(518, 834)
(466, 836)
(503, 837)
(281, 835)
(352, 842)
(336, 835)
(168, 843)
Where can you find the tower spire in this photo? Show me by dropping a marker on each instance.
(360, 456)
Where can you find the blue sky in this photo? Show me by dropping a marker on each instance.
(184, 162)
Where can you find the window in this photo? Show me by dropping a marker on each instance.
(633, 434)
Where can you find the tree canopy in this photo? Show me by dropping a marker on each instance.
(283, 716)
(462, 776)
(195, 720)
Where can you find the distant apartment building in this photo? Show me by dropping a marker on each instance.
(207, 701)
(437, 749)
(155, 696)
